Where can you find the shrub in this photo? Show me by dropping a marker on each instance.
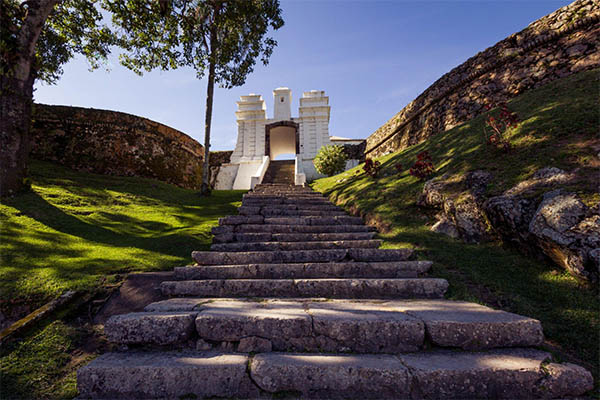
(330, 160)
(496, 127)
(423, 167)
(371, 167)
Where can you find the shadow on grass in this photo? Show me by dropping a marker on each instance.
(40, 210)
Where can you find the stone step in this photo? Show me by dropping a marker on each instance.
(273, 228)
(307, 220)
(300, 256)
(397, 269)
(440, 374)
(308, 197)
(286, 200)
(254, 210)
(358, 326)
(353, 288)
(336, 220)
(273, 212)
(289, 246)
(290, 237)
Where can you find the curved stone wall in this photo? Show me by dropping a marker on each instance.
(115, 143)
(552, 47)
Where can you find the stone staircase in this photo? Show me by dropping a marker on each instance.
(295, 299)
(280, 172)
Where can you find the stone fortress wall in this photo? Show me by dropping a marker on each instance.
(550, 48)
(115, 143)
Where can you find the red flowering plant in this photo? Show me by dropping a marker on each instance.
(372, 167)
(496, 127)
(423, 167)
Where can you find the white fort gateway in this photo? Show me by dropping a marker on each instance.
(261, 140)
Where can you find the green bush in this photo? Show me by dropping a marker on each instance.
(330, 160)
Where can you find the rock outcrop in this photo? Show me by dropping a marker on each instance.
(536, 215)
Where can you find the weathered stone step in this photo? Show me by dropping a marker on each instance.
(286, 200)
(396, 269)
(504, 373)
(273, 228)
(357, 288)
(336, 220)
(508, 374)
(290, 237)
(254, 210)
(307, 220)
(265, 195)
(292, 211)
(166, 375)
(288, 246)
(299, 256)
(365, 326)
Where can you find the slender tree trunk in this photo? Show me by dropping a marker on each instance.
(205, 189)
(15, 119)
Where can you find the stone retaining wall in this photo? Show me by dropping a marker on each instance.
(552, 47)
(115, 143)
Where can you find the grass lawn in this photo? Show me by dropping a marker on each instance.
(74, 229)
(79, 231)
(559, 128)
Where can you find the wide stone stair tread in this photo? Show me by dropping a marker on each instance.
(395, 269)
(302, 256)
(288, 246)
(358, 288)
(281, 212)
(367, 326)
(290, 237)
(274, 228)
(305, 220)
(444, 374)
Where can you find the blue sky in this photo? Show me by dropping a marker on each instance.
(371, 57)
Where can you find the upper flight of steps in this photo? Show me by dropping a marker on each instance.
(280, 172)
(296, 299)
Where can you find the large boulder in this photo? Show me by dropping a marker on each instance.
(462, 215)
(567, 233)
(556, 224)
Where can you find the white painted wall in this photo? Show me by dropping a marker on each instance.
(247, 169)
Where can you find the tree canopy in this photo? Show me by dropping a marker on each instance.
(219, 38)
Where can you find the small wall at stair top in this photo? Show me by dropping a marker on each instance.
(115, 143)
(552, 47)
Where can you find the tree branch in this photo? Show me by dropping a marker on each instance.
(37, 13)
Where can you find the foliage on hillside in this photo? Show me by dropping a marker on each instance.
(559, 128)
(72, 230)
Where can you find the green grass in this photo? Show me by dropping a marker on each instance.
(559, 128)
(75, 229)
(40, 365)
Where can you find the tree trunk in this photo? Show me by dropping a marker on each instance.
(15, 119)
(16, 97)
(205, 189)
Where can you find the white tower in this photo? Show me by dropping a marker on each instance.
(251, 119)
(282, 99)
(314, 123)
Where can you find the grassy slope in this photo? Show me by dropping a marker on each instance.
(71, 231)
(559, 127)
(74, 228)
